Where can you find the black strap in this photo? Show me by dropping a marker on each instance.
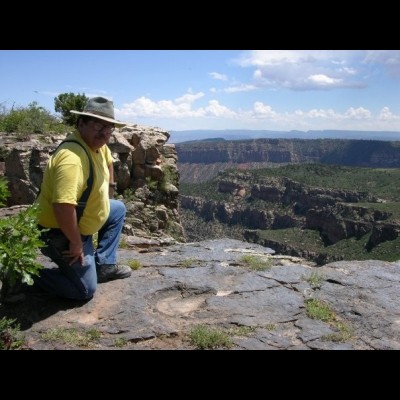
(85, 195)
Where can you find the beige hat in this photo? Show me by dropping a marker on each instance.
(101, 108)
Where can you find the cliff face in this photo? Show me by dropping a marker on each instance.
(281, 203)
(145, 171)
(203, 160)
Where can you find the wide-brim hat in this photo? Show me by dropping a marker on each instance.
(101, 108)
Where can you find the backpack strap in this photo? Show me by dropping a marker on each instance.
(89, 183)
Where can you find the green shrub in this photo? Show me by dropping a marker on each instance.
(4, 192)
(152, 184)
(11, 121)
(32, 119)
(19, 241)
(10, 335)
(170, 176)
(129, 195)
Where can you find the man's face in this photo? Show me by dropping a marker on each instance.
(96, 132)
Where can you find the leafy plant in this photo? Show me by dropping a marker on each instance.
(170, 176)
(4, 192)
(10, 335)
(152, 184)
(19, 241)
(129, 195)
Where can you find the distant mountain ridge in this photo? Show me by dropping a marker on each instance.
(248, 134)
(351, 152)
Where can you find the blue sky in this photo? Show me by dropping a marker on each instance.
(217, 89)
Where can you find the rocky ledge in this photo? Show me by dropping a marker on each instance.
(291, 305)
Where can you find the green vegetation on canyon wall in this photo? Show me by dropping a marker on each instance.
(320, 212)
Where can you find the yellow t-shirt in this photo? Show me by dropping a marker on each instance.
(65, 179)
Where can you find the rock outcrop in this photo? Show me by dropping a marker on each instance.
(289, 305)
(145, 171)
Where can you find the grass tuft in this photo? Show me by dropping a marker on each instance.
(206, 338)
(72, 336)
(315, 279)
(317, 309)
(120, 342)
(134, 264)
(256, 263)
(188, 262)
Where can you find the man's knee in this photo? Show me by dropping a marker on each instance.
(118, 207)
(85, 293)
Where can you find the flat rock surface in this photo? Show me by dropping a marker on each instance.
(292, 305)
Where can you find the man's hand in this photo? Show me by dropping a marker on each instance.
(75, 252)
(67, 221)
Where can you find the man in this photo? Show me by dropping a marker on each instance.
(70, 215)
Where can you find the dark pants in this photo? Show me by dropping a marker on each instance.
(79, 281)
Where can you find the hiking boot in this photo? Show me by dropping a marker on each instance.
(110, 272)
(13, 294)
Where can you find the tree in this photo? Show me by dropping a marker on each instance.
(65, 102)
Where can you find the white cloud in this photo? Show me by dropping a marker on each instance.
(304, 69)
(353, 118)
(386, 57)
(189, 98)
(348, 70)
(266, 58)
(321, 113)
(387, 115)
(259, 116)
(217, 110)
(264, 110)
(358, 113)
(240, 88)
(182, 107)
(390, 59)
(218, 76)
(323, 80)
(145, 107)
